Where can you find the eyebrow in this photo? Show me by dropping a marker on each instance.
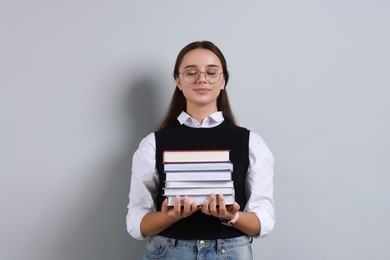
(208, 66)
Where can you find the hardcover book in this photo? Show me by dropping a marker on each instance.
(197, 191)
(198, 166)
(199, 176)
(176, 156)
(199, 184)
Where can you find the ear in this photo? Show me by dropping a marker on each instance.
(223, 84)
(178, 83)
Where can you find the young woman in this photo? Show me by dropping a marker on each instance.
(200, 118)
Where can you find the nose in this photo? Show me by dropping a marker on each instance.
(202, 77)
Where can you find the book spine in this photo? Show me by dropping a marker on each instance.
(179, 156)
(199, 184)
(199, 166)
(197, 191)
(198, 176)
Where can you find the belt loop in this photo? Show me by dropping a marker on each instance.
(171, 243)
(219, 247)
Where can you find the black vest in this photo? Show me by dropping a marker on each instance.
(223, 136)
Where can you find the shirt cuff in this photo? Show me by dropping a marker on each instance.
(133, 221)
(267, 222)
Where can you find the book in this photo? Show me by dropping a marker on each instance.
(176, 156)
(198, 166)
(199, 199)
(197, 191)
(198, 184)
(199, 176)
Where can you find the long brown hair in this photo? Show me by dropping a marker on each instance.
(178, 102)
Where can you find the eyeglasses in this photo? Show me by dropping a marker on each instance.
(212, 76)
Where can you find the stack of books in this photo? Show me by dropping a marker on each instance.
(198, 174)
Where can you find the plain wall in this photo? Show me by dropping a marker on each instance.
(82, 82)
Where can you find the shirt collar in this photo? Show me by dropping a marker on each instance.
(209, 121)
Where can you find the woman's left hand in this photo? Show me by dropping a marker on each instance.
(221, 211)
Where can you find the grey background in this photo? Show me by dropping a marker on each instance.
(83, 81)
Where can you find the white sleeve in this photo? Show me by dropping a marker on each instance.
(259, 184)
(144, 185)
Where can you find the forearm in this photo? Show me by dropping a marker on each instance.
(154, 223)
(248, 223)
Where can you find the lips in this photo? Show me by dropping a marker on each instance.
(202, 90)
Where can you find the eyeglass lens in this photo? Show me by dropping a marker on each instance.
(211, 76)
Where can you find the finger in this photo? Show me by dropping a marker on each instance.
(232, 210)
(213, 205)
(187, 206)
(236, 207)
(177, 208)
(164, 206)
(222, 206)
(205, 207)
(194, 207)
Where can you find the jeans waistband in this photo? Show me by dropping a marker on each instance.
(215, 244)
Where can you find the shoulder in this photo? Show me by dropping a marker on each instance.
(258, 147)
(256, 138)
(148, 142)
(144, 156)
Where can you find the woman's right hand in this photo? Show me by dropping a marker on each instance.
(155, 222)
(177, 211)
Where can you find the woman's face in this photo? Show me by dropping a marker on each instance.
(202, 92)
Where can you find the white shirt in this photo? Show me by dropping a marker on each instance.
(145, 180)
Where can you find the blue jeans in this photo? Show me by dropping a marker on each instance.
(159, 247)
